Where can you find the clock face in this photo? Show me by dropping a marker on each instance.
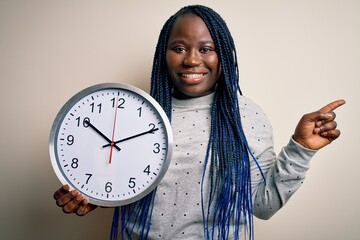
(112, 142)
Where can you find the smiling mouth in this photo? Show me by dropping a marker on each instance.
(192, 75)
(192, 78)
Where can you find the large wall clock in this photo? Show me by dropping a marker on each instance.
(112, 142)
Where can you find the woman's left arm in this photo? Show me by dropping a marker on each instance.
(285, 173)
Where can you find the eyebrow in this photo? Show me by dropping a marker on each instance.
(183, 42)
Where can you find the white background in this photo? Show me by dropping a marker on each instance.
(294, 56)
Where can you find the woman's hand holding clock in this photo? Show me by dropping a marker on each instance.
(73, 201)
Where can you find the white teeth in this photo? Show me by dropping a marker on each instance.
(193, 75)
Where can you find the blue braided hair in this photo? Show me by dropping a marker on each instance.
(227, 157)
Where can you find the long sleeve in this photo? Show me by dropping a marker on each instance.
(284, 173)
(283, 179)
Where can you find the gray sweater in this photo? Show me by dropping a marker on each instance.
(177, 212)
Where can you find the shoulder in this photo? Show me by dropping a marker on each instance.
(249, 108)
(247, 102)
(253, 118)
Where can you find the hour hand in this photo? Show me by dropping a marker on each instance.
(134, 136)
(102, 135)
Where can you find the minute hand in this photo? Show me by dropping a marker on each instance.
(134, 136)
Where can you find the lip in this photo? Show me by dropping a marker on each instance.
(191, 77)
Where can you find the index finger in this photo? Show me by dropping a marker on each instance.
(332, 106)
(63, 190)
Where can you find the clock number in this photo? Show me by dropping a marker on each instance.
(108, 187)
(113, 102)
(152, 127)
(157, 148)
(120, 103)
(139, 109)
(74, 163)
(132, 183)
(93, 107)
(89, 176)
(147, 170)
(84, 123)
(70, 140)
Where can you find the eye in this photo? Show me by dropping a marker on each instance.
(206, 50)
(179, 49)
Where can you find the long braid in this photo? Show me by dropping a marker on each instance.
(230, 180)
(137, 216)
(160, 83)
(227, 156)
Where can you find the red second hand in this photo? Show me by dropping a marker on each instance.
(113, 130)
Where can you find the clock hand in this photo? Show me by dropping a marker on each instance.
(112, 144)
(134, 136)
(101, 134)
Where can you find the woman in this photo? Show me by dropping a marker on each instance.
(223, 169)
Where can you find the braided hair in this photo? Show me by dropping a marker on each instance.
(227, 157)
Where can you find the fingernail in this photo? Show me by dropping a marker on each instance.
(79, 198)
(75, 192)
(328, 114)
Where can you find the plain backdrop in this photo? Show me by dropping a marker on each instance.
(294, 56)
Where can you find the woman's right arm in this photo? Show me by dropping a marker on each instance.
(73, 201)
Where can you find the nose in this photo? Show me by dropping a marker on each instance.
(192, 58)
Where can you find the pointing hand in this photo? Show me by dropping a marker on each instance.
(317, 129)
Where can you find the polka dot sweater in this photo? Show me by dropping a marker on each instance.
(177, 212)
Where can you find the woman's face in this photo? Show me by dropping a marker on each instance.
(192, 62)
